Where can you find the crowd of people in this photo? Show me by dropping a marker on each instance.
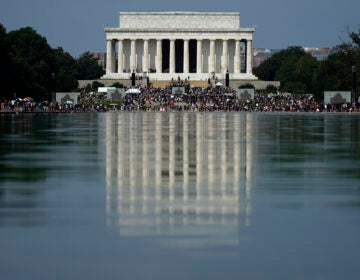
(195, 99)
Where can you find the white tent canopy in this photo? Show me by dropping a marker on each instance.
(133, 90)
(218, 84)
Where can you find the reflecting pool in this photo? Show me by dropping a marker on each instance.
(179, 196)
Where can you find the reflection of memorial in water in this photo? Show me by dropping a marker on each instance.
(179, 174)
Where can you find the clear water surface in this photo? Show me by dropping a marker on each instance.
(179, 196)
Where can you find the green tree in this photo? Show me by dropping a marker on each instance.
(33, 63)
(247, 85)
(117, 85)
(6, 64)
(88, 68)
(293, 67)
(335, 73)
(271, 89)
(64, 76)
(95, 85)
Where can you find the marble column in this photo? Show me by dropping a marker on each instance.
(212, 56)
(199, 66)
(224, 58)
(237, 58)
(109, 56)
(172, 57)
(159, 56)
(145, 65)
(248, 57)
(133, 55)
(120, 56)
(186, 56)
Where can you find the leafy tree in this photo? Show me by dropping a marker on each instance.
(95, 85)
(6, 64)
(266, 70)
(335, 73)
(33, 63)
(117, 85)
(271, 89)
(295, 87)
(248, 85)
(64, 77)
(293, 67)
(87, 67)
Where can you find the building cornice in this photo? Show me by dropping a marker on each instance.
(167, 30)
(182, 13)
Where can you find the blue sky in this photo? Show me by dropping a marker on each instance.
(78, 25)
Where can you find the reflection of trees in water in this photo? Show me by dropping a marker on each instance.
(21, 174)
(34, 145)
(22, 135)
(20, 139)
(303, 144)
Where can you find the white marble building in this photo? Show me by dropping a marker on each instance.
(165, 45)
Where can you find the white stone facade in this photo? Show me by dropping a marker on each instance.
(166, 45)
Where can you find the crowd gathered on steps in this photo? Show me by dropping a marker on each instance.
(196, 100)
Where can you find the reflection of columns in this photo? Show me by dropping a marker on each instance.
(237, 154)
(120, 56)
(237, 59)
(212, 56)
(172, 56)
(145, 66)
(248, 57)
(249, 153)
(223, 158)
(159, 56)
(199, 159)
(109, 56)
(186, 157)
(199, 65)
(158, 155)
(211, 153)
(109, 162)
(172, 155)
(225, 54)
(186, 56)
(248, 173)
(145, 161)
(133, 55)
(133, 165)
(121, 163)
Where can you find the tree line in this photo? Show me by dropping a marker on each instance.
(30, 67)
(300, 72)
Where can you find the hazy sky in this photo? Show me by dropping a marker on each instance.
(78, 25)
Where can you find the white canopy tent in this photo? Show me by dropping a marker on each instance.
(133, 90)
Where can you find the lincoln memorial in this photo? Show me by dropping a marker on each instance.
(166, 45)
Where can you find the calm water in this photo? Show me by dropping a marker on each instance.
(179, 196)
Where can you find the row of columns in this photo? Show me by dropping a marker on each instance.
(110, 65)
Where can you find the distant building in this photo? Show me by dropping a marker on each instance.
(319, 53)
(261, 54)
(101, 57)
